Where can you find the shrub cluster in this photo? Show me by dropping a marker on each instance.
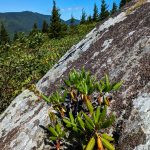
(78, 113)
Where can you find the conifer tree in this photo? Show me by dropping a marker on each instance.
(89, 19)
(64, 29)
(15, 36)
(45, 27)
(122, 3)
(95, 13)
(104, 12)
(4, 37)
(83, 17)
(73, 26)
(35, 27)
(55, 23)
(72, 21)
(114, 8)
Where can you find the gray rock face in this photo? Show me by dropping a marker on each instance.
(119, 47)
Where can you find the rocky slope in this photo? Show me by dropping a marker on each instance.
(120, 47)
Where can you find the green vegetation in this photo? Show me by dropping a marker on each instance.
(95, 13)
(4, 38)
(78, 113)
(45, 27)
(55, 23)
(104, 11)
(83, 17)
(28, 58)
(123, 2)
(114, 8)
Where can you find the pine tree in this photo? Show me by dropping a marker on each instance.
(83, 17)
(45, 27)
(55, 23)
(4, 37)
(104, 12)
(95, 13)
(73, 26)
(114, 8)
(64, 29)
(122, 3)
(89, 19)
(72, 21)
(35, 27)
(15, 36)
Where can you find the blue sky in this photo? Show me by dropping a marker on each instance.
(67, 7)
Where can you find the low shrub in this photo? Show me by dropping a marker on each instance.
(79, 113)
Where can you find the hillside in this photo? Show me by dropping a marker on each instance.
(76, 22)
(23, 21)
(120, 47)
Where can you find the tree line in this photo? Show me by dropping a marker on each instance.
(57, 28)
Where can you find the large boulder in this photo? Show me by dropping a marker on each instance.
(120, 47)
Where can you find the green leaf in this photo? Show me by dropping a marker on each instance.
(71, 117)
(103, 114)
(97, 115)
(107, 137)
(108, 122)
(58, 129)
(75, 129)
(52, 130)
(108, 85)
(89, 106)
(46, 99)
(87, 118)
(53, 138)
(67, 82)
(88, 126)
(68, 123)
(81, 122)
(117, 86)
(91, 144)
(107, 144)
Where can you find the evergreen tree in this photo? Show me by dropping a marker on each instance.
(114, 8)
(15, 36)
(4, 37)
(83, 17)
(122, 3)
(73, 26)
(95, 14)
(35, 27)
(55, 23)
(89, 19)
(64, 29)
(72, 21)
(45, 27)
(104, 12)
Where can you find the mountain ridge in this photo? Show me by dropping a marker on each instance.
(23, 21)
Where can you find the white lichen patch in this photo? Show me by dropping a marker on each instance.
(113, 21)
(24, 114)
(129, 34)
(109, 61)
(95, 54)
(142, 105)
(106, 44)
